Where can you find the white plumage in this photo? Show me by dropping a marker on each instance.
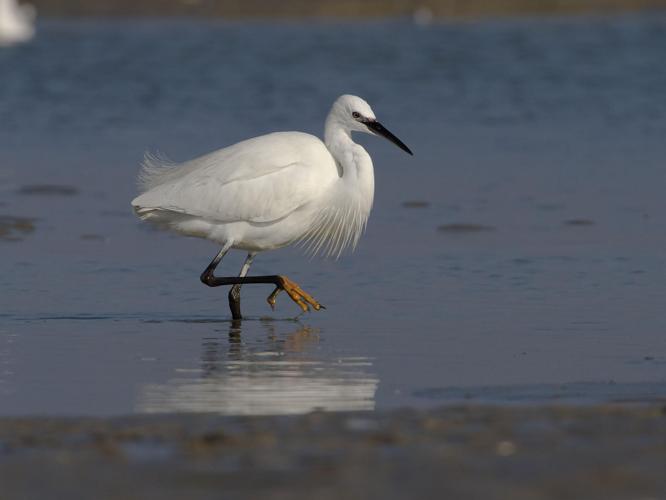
(271, 191)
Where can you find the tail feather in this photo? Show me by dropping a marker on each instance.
(156, 169)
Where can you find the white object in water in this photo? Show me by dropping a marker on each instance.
(269, 192)
(16, 22)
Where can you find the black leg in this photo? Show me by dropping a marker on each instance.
(208, 278)
(234, 302)
(303, 299)
(234, 293)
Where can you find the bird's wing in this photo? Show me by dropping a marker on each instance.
(260, 180)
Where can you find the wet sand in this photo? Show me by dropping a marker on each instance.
(423, 10)
(603, 452)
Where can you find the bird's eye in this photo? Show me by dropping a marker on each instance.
(356, 114)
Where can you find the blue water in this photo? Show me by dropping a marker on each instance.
(543, 138)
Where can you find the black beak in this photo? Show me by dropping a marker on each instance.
(379, 129)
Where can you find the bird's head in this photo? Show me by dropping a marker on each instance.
(356, 115)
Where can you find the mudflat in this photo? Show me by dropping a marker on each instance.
(604, 452)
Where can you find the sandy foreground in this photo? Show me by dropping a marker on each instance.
(603, 452)
(334, 8)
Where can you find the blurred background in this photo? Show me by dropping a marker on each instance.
(517, 257)
(335, 8)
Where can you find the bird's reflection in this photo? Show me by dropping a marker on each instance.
(216, 352)
(250, 372)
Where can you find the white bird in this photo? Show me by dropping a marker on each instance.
(16, 22)
(269, 192)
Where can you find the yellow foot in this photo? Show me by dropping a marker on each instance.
(303, 299)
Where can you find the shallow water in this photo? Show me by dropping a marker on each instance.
(517, 257)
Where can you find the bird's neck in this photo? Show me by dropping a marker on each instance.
(338, 140)
(354, 164)
(342, 217)
(350, 156)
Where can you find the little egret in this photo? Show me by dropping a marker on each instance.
(269, 192)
